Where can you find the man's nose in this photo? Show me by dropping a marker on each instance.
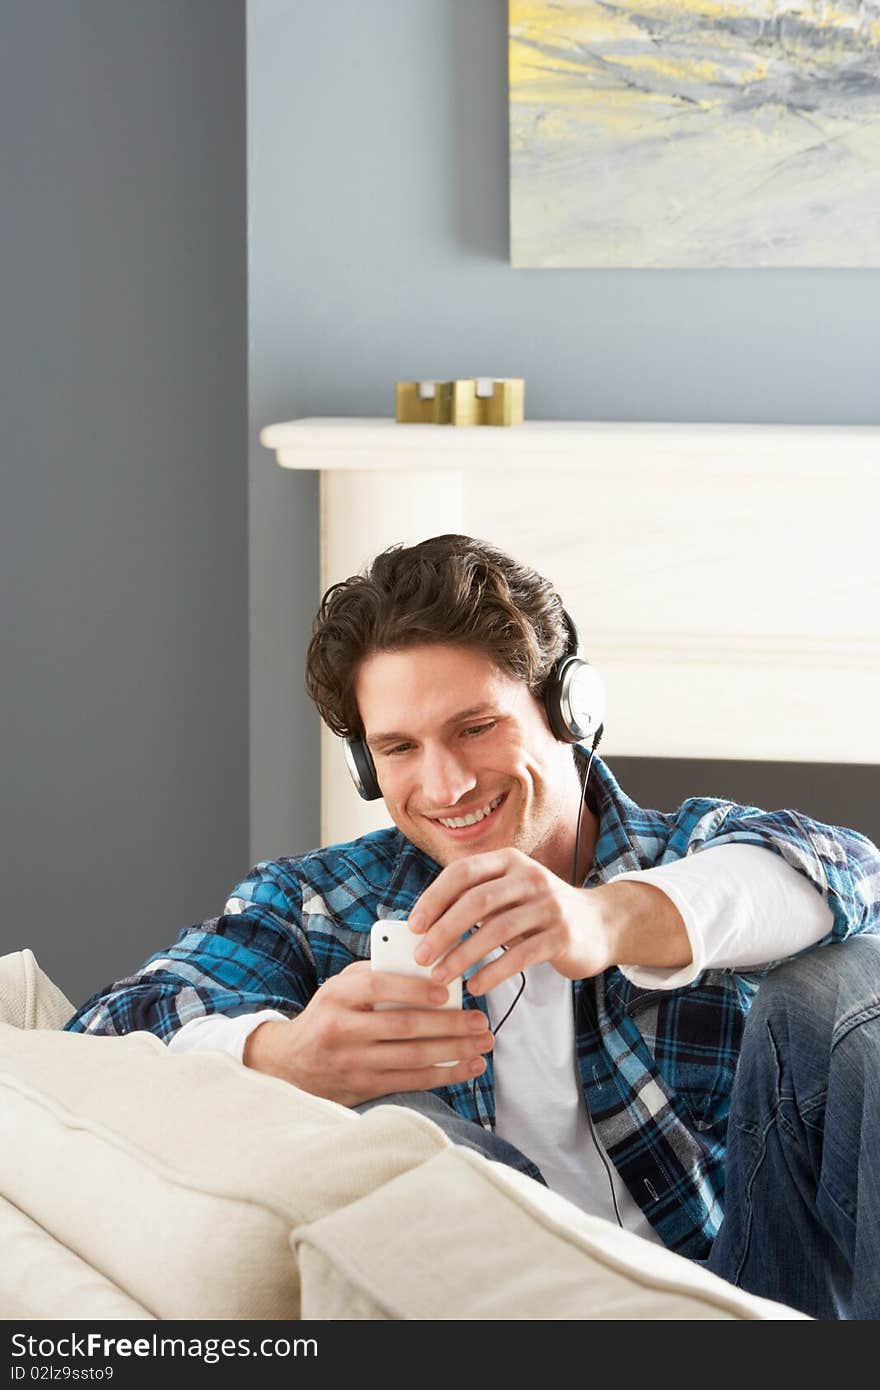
(446, 778)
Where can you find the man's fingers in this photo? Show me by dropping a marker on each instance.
(417, 992)
(455, 880)
(425, 1079)
(523, 881)
(499, 930)
(416, 1055)
(359, 986)
(429, 1078)
(472, 909)
(393, 1025)
(529, 950)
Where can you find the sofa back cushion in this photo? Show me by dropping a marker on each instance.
(179, 1177)
(41, 1279)
(463, 1238)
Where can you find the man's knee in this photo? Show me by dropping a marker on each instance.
(824, 985)
(805, 1007)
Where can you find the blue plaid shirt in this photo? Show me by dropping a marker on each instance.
(656, 1065)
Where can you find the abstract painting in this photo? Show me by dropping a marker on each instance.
(699, 133)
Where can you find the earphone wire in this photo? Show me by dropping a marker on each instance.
(496, 1031)
(574, 878)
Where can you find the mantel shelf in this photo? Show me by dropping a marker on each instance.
(330, 444)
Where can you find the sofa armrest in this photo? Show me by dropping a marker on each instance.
(28, 998)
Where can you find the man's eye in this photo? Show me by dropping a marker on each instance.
(477, 729)
(398, 748)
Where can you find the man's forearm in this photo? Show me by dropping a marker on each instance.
(641, 925)
(743, 906)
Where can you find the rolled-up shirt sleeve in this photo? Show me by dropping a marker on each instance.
(217, 1033)
(743, 907)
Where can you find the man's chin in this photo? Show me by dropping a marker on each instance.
(445, 851)
(441, 853)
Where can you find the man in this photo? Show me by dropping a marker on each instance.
(611, 954)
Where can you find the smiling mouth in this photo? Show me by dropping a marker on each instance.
(472, 818)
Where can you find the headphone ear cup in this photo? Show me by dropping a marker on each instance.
(574, 699)
(360, 764)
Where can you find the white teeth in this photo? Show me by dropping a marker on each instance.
(473, 817)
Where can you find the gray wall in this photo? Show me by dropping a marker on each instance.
(123, 602)
(378, 207)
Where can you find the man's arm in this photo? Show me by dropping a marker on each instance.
(536, 917)
(255, 956)
(346, 1047)
(744, 909)
(523, 907)
(222, 982)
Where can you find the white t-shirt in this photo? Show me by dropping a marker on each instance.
(742, 906)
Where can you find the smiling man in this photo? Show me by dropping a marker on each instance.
(614, 1042)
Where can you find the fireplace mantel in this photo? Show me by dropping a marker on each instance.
(350, 444)
(724, 577)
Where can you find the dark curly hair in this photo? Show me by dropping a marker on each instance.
(447, 589)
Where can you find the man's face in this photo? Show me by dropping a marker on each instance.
(455, 738)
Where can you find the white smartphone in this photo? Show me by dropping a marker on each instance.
(392, 946)
(391, 949)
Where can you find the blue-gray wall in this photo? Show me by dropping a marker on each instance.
(123, 572)
(378, 204)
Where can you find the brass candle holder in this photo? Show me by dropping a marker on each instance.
(468, 401)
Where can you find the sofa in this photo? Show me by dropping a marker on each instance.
(136, 1183)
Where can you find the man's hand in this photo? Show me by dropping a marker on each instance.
(536, 916)
(342, 1049)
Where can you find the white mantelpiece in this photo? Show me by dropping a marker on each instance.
(725, 578)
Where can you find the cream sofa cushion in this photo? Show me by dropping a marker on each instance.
(180, 1177)
(28, 998)
(461, 1237)
(40, 1278)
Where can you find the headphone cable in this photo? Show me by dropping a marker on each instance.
(577, 838)
(497, 1030)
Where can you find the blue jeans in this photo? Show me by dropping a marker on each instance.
(461, 1131)
(802, 1207)
(802, 1210)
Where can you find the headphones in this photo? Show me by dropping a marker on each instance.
(574, 701)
